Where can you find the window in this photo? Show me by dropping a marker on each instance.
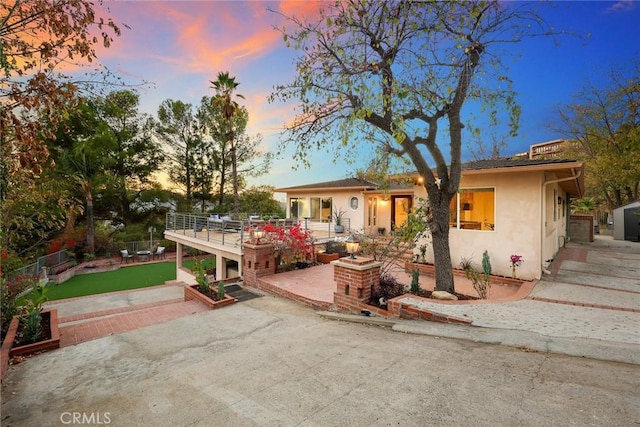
(320, 209)
(354, 203)
(372, 217)
(473, 209)
(315, 208)
(297, 207)
(327, 205)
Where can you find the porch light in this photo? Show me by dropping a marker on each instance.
(353, 245)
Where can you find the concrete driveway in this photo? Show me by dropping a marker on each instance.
(272, 362)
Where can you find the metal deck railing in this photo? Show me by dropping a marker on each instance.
(236, 232)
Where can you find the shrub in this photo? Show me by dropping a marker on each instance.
(423, 254)
(31, 320)
(31, 327)
(388, 288)
(201, 277)
(10, 291)
(220, 291)
(481, 280)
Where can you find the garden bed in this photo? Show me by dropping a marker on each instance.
(429, 270)
(12, 347)
(191, 292)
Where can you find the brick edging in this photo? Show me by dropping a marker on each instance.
(8, 351)
(406, 311)
(119, 310)
(127, 291)
(584, 304)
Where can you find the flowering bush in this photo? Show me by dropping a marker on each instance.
(516, 261)
(293, 244)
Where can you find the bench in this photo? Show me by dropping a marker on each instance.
(224, 223)
(232, 225)
(59, 268)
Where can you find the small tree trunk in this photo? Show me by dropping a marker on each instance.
(234, 170)
(91, 247)
(440, 241)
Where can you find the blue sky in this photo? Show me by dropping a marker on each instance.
(179, 46)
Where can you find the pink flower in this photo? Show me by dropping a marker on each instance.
(516, 260)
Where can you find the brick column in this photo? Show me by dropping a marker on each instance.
(355, 278)
(257, 261)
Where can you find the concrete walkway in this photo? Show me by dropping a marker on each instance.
(589, 306)
(87, 318)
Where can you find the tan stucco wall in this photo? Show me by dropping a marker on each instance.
(517, 230)
(340, 200)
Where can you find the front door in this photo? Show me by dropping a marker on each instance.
(400, 208)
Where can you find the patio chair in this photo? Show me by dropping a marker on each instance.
(126, 256)
(159, 253)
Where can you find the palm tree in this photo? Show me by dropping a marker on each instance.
(225, 87)
(584, 205)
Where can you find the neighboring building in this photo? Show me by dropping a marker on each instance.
(547, 150)
(626, 222)
(504, 206)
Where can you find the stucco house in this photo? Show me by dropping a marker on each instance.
(504, 206)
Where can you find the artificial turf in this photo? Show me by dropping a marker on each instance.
(125, 278)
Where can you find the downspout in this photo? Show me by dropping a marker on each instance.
(543, 213)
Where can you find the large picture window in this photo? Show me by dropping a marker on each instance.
(320, 209)
(473, 209)
(298, 207)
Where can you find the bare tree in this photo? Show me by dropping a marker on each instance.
(604, 125)
(402, 69)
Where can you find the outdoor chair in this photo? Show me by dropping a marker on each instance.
(159, 253)
(126, 256)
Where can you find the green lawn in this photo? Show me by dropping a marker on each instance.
(125, 278)
(138, 276)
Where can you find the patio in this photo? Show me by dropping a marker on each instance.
(315, 286)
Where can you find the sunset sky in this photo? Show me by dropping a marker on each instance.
(179, 46)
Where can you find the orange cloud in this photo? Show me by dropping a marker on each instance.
(308, 9)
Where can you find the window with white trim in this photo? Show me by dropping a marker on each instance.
(473, 209)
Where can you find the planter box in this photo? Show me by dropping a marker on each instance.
(326, 258)
(50, 344)
(191, 292)
(6, 346)
(9, 351)
(429, 270)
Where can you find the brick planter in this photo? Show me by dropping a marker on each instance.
(429, 270)
(326, 258)
(191, 292)
(9, 351)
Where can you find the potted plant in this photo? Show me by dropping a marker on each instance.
(338, 214)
